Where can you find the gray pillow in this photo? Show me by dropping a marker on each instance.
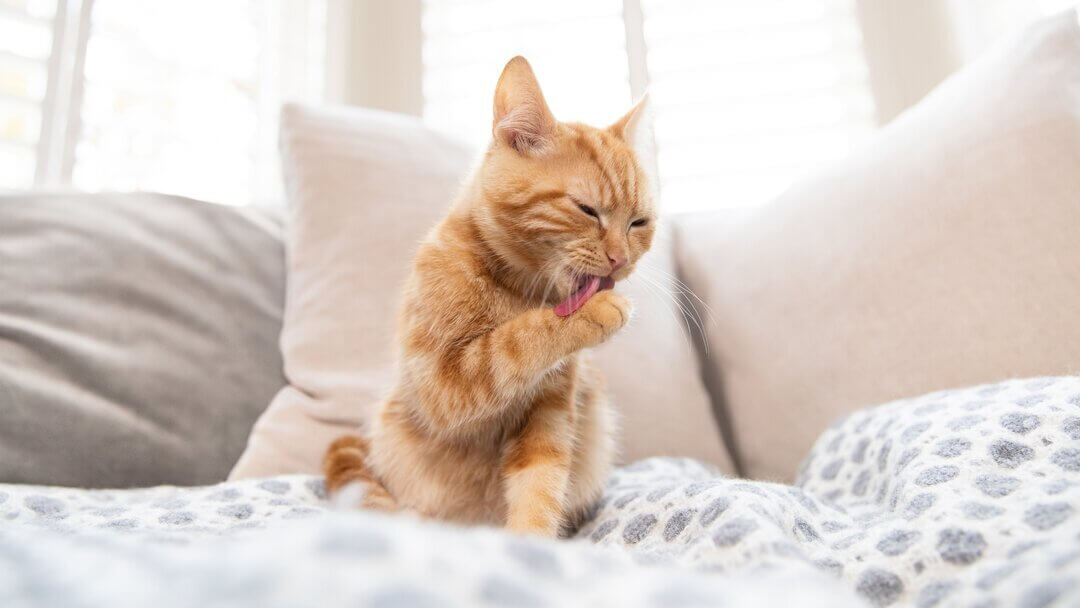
(138, 337)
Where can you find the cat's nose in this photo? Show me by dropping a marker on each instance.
(616, 261)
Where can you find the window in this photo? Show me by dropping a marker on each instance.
(749, 95)
(26, 41)
(576, 48)
(183, 97)
(138, 95)
(180, 103)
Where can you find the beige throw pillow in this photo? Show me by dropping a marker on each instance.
(363, 188)
(945, 253)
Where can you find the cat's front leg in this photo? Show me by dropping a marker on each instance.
(536, 464)
(474, 383)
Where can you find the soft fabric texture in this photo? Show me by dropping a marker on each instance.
(358, 560)
(963, 497)
(138, 337)
(942, 254)
(363, 188)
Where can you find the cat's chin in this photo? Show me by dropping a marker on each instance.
(585, 287)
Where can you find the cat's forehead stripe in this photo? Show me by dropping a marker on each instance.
(544, 195)
(582, 142)
(617, 179)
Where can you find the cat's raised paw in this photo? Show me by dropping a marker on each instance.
(608, 311)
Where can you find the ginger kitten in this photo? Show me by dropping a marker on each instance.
(497, 417)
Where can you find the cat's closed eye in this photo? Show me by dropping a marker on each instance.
(638, 223)
(587, 210)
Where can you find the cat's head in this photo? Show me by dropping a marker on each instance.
(566, 205)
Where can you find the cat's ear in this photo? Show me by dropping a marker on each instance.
(522, 118)
(635, 128)
(635, 125)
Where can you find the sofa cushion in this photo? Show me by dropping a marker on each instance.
(363, 188)
(138, 337)
(942, 254)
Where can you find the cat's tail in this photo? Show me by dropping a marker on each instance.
(349, 479)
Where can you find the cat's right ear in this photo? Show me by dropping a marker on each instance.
(522, 118)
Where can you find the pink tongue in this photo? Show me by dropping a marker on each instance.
(577, 299)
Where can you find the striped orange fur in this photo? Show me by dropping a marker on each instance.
(496, 416)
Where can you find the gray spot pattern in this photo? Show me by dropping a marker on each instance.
(952, 447)
(918, 505)
(1068, 459)
(832, 469)
(959, 546)
(905, 459)
(859, 455)
(639, 527)
(715, 508)
(861, 483)
(964, 423)
(239, 511)
(45, 506)
(883, 456)
(1010, 454)
(996, 486)
(898, 541)
(177, 518)
(879, 587)
(1019, 423)
(1047, 515)
(980, 511)
(677, 523)
(603, 530)
(274, 486)
(733, 531)
(913, 431)
(1071, 427)
(934, 593)
(935, 475)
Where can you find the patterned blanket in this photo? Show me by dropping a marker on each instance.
(965, 497)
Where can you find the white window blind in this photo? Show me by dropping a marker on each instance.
(26, 32)
(577, 50)
(750, 95)
(183, 97)
(178, 97)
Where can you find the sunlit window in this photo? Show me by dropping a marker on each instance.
(577, 50)
(183, 96)
(750, 95)
(178, 102)
(747, 95)
(26, 28)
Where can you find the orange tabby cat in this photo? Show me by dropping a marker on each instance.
(497, 417)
